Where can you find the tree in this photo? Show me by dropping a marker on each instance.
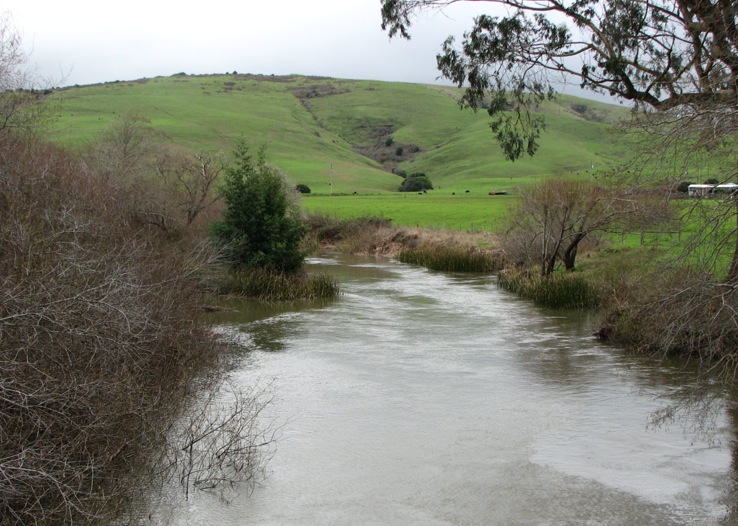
(554, 217)
(166, 187)
(675, 60)
(416, 183)
(192, 177)
(125, 149)
(19, 108)
(678, 56)
(261, 227)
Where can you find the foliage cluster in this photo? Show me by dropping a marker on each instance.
(101, 346)
(261, 226)
(416, 182)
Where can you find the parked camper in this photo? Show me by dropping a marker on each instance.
(706, 190)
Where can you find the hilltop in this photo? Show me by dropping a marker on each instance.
(343, 136)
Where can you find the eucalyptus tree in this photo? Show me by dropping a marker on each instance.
(675, 61)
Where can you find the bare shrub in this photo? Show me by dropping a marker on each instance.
(221, 443)
(682, 311)
(157, 184)
(98, 339)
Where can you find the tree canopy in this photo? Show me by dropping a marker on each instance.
(416, 182)
(675, 57)
(676, 61)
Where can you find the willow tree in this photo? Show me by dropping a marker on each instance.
(676, 61)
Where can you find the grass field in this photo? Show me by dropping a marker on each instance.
(466, 212)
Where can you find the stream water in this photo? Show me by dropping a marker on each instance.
(427, 398)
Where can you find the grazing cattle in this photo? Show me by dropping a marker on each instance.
(466, 191)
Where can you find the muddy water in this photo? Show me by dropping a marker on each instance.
(434, 399)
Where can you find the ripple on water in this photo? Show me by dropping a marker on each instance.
(425, 398)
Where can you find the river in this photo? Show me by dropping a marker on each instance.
(427, 398)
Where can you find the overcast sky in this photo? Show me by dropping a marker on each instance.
(88, 41)
(85, 41)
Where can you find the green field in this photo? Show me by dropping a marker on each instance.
(467, 212)
(314, 127)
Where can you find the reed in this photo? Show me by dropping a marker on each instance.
(450, 259)
(558, 291)
(268, 285)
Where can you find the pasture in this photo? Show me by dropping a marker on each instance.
(465, 212)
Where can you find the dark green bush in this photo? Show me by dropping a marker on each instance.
(261, 228)
(416, 182)
(303, 188)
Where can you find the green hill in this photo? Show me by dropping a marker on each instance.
(343, 136)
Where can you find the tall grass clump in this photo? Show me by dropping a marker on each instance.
(450, 259)
(557, 291)
(268, 285)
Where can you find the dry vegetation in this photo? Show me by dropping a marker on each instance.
(370, 235)
(101, 348)
(97, 337)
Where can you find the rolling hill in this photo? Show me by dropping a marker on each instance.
(343, 136)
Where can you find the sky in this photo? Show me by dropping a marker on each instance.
(89, 41)
(85, 42)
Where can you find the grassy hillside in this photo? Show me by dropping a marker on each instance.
(315, 128)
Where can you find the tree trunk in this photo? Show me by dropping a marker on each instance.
(550, 265)
(570, 254)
